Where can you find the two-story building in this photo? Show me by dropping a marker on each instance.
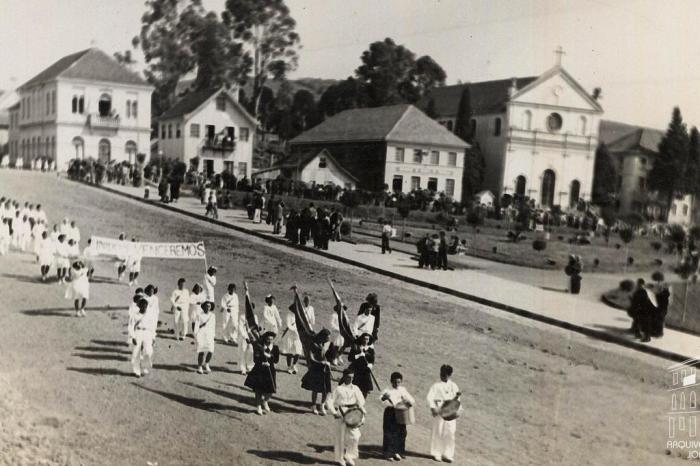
(538, 134)
(210, 125)
(397, 146)
(84, 105)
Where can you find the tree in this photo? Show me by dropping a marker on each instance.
(393, 75)
(463, 127)
(604, 177)
(666, 176)
(268, 31)
(344, 95)
(692, 170)
(305, 111)
(473, 174)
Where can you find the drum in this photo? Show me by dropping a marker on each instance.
(353, 417)
(450, 410)
(405, 415)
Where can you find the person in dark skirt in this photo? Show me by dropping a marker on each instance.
(372, 303)
(361, 360)
(663, 297)
(263, 378)
(394, 442)
(318, 378)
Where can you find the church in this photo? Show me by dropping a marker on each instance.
(538, 134)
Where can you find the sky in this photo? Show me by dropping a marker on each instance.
(640, 52)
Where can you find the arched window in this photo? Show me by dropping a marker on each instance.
(128, 109)
(104, 106)
(131, 148)
(79, 145)
(574, 193)
(548, 182)
(497, 127)
(74, 104)
(81, 105)
(582, 122)
(682, 405)
(527, 120)
(674, 402)
(693, 400)
(104, 151)
(520, 185)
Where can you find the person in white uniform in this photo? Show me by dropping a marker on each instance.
(229, 314)
(204, 333)
(74, 232)
(39, 214)
(133, 264)
(45, 250)
(142, 340)
(180, 304)
(88, 258)
(442, 439)
(5, 237)
(347, 439)
(78, 289)
(309, 309)
(148, 326)
(272, 322)
(209, 284)
(64, 228)
(133, 315)
(364, 323)
(121, 260)
(196, 300)
(37, 232)
(73, 254)
(291, 343)
(61, 258)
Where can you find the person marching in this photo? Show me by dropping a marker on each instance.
(141, 340)
(133, 315)
(442, 440)
(196, 300)
(372, 305)
(121, 260)
(209, 284)
(291, 343)
(362, 359)
(309, 309)
(133, 264)
(364, 323)
(180, 302)
(272, 322)
(74, 232)
(394, 441)
(88, 258)
(346, 396)
(73, 254)
(45, 250)
(262, 379)
(61, 258)
(317, 379)
(229, 313)
(5, 236)
(79, 288)
(245, 346)
(37, 233)
(204, 333)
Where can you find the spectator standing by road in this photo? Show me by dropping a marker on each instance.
(386, 235)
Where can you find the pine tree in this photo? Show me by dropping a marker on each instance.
(464, 115)
(692, 170)
(604, 176)
(667, 175)
(473, 174)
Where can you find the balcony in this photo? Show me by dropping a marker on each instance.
(219, 144)
(97, 121)
(545, 138)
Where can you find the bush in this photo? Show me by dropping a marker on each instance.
(626, 234)
(494, 249)
(618, 245)
(596, 262)
(630, 260)
(560, 238)
(627, 285)
(345, 228)
(657, 276)
(539, 245)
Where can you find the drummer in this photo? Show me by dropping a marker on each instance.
(442, 439)
(395, 399)
(345, 398)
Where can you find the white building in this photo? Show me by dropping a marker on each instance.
(84, 105)
(396, 145)
(213, 126)
(538, 134)
(317, 167)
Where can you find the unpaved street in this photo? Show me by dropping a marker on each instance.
(533, 394)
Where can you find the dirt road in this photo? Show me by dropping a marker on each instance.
(533, 394)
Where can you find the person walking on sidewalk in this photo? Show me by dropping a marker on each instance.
(442, 252)
(386, 235)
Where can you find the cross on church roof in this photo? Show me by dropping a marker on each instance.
(560, 53)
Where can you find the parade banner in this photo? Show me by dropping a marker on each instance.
(122, 249)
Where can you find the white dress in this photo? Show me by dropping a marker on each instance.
(271, 319)
(209, 284)
(46, 250)
(79, 287)
(196, 301)
(291, 343)
(205, 331)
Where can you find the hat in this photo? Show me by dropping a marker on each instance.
(268, 334)
(212, 269)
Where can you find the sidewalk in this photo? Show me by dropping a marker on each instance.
(578, 313)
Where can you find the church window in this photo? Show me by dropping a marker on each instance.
(81, 105)
(322, 163)
(582, 125)
(548, 182)
(497, 127)
(221, 102)
(128, 109)
(527, 120)
(574, 193)
(74, 104)
(554, 122)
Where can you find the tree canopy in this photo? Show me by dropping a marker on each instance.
(667, 176)
(604, 176)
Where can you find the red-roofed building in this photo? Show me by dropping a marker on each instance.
(84, 105)
(538, 134)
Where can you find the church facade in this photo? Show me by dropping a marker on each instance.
(538, 134)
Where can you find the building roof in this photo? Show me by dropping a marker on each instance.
(192, 101)
(623, 137)
(300, 160)
(92, 64)
(396, 123)
(485, 97)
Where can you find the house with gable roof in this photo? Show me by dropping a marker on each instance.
(538, 134)
(212, 125)
(369, 148)
(84, 105)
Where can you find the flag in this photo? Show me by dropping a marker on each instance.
(343, 322)
(306, 332)
(251, 322)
